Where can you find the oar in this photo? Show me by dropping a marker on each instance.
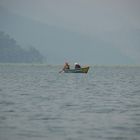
(61, 71)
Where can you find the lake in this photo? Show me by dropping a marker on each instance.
(39, 103)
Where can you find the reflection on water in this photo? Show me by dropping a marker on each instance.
(37, 102)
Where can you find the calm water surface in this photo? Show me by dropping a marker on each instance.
(38, 103)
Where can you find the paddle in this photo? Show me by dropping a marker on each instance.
(61, 71)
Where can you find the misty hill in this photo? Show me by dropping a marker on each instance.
(11, 52)
(59, 44)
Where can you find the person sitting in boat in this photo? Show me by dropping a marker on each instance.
(77, 66)
(66, 66)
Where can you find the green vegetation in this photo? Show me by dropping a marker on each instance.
(10, 52)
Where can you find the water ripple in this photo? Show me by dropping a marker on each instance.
(38, 103)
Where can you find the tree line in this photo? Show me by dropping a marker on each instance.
(11, 52)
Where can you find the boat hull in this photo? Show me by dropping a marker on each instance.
(80, 70)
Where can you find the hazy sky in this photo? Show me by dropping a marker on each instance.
(88, 17)
(83, 15)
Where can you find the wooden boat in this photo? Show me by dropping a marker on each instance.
(79, 70)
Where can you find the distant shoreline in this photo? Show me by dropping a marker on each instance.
(46, 64)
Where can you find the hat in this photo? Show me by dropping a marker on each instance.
(75, 63)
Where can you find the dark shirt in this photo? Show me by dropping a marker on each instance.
(77, 66)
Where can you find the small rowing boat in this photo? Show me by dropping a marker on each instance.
(78, 70)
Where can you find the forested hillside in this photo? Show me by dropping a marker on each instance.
(10, 51)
